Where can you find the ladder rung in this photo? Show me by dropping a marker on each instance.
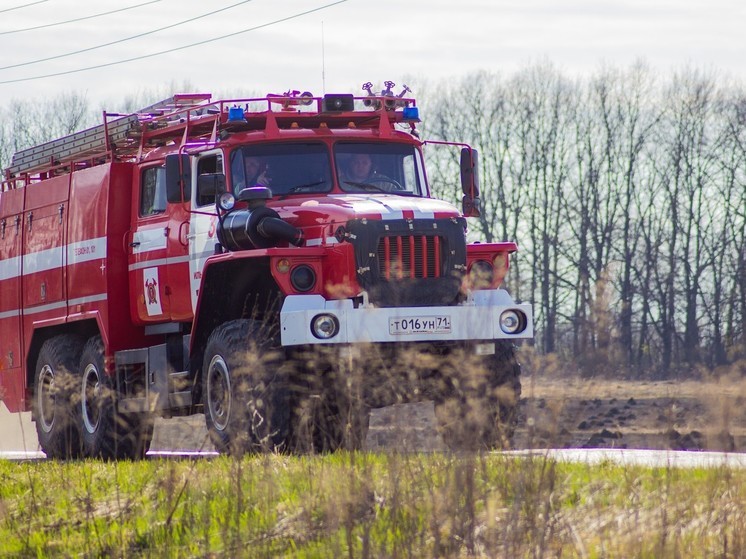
(124, 132)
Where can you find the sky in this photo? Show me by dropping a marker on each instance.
(273, 46)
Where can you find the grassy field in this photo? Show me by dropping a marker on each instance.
(368, 505)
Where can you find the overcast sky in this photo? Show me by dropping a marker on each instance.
(337, 48)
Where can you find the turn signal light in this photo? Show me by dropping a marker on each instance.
(283, 265)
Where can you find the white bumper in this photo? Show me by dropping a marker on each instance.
(476, 319)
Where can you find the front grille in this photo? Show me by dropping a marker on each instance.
(409, 256)
(418, 262)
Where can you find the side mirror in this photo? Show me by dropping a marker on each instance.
(210, 185)
(470, 182)
(178, 178)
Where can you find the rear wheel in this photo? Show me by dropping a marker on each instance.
(244, 389)
(105, 432)
(478, 409)
(56, 397)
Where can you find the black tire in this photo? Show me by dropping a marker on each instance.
(245, 390)
(478, 410)
(105, 432)
(56, 397)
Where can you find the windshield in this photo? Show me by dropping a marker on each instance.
(370, 167)
(284, 168)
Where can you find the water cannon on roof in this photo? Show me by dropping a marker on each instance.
(292, 98)
(391, 101)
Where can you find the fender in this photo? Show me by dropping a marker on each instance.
(243, 283)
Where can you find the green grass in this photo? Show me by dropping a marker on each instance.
(368, 505)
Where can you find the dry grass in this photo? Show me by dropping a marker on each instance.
(399, 503)
(369, 505)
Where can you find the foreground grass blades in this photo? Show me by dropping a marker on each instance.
(368, 505)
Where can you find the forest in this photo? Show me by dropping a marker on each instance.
(625, 191)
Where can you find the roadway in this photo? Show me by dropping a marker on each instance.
(402, 427)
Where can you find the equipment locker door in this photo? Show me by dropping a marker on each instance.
(11, 357)
(43, 272)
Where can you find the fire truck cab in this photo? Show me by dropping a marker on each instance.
(277, 263)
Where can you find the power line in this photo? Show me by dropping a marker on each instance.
(282, 20)
(77, 19)
(31, 62)
(23, 6)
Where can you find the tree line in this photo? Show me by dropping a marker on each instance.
(627, 195)
(625, 190)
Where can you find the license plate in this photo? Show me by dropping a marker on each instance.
(420, 325)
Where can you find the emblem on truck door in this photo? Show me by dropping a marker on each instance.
(150, 283)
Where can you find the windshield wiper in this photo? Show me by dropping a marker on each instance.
(366, 186)
(376, 188)
(301, 187)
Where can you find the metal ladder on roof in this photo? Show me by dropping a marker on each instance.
(121, 134)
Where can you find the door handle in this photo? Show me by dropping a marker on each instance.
(184, 234)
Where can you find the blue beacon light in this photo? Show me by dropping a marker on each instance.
(235, 114)
(411, 114)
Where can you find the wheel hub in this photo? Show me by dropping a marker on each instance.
(91, 398)
(218, 393)
(46, 398)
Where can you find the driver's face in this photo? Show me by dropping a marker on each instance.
(360, 166)
(252, 166)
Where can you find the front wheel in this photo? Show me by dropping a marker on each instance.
(105, 432)
(478, 409)
(244, 389)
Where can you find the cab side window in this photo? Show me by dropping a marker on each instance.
(205, 165)
(152, 191)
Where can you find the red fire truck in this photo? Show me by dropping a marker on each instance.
(276, 263)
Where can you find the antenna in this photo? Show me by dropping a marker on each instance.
(323, 60)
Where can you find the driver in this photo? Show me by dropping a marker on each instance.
(359, 168)
(256, 173)
(360, 171)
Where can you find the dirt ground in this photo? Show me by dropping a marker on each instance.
(572, 412)
(555, 412)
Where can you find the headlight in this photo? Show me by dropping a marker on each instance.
(226, 201)
(324, 326)
(512, 322)
(303, 278)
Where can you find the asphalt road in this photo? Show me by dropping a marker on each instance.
(404, 427)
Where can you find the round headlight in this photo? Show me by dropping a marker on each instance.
(226, 201)
(512, 322)
(325, 326)
(303, 278)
